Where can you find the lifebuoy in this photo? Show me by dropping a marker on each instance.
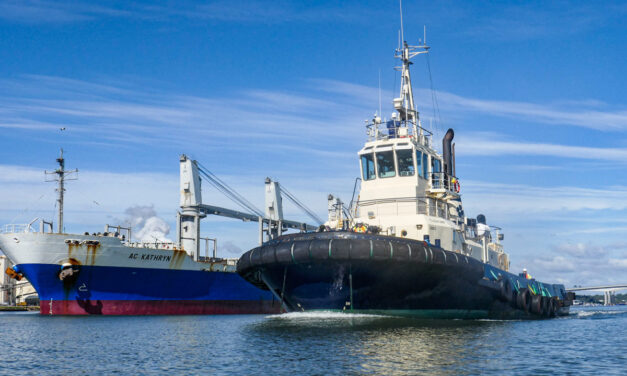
(456, 186)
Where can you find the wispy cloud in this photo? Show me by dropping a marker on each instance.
(46, 11)
(589, 114)
(495, 144)
(582, 263)
(252, 11)
(532, 20)
(249, 11)
(144, 117)
(519, 199)
(326, 111)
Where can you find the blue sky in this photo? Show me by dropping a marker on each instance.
(536, 93)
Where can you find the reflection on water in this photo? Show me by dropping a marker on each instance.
(590, 340)
(377, 344)
(356, 344)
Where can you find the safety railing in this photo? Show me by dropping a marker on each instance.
(153, 245)
(36, 225)
(388, 129)
(442, 180)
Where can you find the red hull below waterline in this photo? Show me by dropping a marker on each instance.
(158, 307)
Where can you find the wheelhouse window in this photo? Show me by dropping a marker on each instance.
(405, 162)
(425, 161)
(436, 177)
(385, 164)
(421, 163)
(436, 165)
(367, 167)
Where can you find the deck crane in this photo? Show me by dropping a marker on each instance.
(271, 221)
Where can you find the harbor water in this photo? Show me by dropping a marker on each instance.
(591, 340)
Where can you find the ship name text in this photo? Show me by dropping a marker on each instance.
(149, 257)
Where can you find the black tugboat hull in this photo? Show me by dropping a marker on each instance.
(344, 271)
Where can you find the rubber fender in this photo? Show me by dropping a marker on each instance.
(524, 299)
(536, 305)
(552, 307)
(283, 253)
(381, 250)
(340, 249)
(419, 253)
(545, 305)
(255, 256)
(360, 249)
(439, 256)
(401, 251)
(507, 292)
(300, 251)
(243, 263)
(267, 255)
(319, 249)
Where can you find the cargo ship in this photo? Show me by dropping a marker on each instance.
(106, 273)
(405, 246)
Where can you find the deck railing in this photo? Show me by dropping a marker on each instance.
(442, 180)
(387, 129)
(36, 225)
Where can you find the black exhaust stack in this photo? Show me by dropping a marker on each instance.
(447, 152)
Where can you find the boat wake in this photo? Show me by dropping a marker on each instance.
(323, 315)
(598, 314)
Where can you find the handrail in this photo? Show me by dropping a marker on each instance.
(392, 129)
(442, 180)
(13, 228)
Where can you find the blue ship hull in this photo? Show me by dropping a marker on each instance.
(132, 291)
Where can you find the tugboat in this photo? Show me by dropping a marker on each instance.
(405, 246)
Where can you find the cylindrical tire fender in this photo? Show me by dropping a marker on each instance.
(524, 299)
(536, 305)
(552, 308)
(507, 292)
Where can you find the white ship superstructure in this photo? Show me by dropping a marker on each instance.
(410, 191)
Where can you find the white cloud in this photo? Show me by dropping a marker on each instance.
(520, 199)
(580, 115)
(488, 144)
(587, 264)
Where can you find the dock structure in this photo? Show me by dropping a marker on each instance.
(609, 292)
(13, 292)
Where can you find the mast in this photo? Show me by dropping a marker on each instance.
(60, 178)
(404, 104)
